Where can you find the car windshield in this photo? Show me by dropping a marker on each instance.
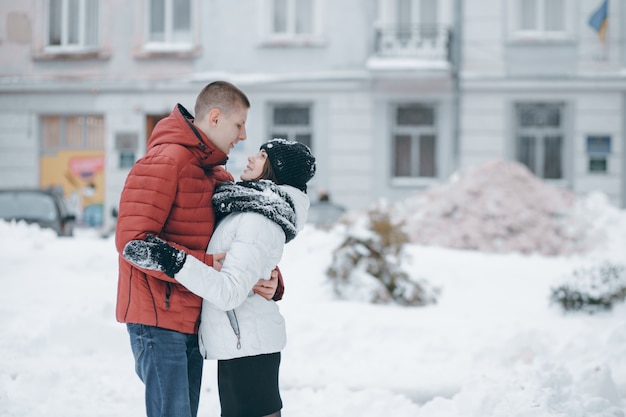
(26, 205)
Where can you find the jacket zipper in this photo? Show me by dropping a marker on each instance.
(168, 293)
(232, 317)
(202, 348)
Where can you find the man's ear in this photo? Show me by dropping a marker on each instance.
(214, 116)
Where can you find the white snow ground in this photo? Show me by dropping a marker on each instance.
(492, 346)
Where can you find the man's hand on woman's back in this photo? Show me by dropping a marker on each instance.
(266, 288)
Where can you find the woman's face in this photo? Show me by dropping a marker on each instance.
(255, 166)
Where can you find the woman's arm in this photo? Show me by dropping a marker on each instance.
(256, 242)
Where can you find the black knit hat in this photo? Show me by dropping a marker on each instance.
(292, 162)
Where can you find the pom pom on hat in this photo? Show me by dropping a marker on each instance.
(292, 162)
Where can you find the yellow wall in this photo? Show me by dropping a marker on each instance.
(79, 173)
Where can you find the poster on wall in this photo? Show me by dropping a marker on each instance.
(79, 175)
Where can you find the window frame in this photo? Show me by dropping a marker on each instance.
(86, 141)
(390, 12)
(517, 34)
(542, 134)
(415, 133)
(290, 37)
(291, 130)
(169, 45)
(65, 47)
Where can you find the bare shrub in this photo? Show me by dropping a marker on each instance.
(367, 265)
(592, 289)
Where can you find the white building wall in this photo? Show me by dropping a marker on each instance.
(500, 68)
(599, 114)
(350, 147)
(483, 123)
(19, 158)
(483, 46)
(350, 99)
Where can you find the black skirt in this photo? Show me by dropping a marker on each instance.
(248, 386)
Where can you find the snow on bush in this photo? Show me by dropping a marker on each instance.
(592, 289)
(500, 207)
(367, 265)
(607, 227)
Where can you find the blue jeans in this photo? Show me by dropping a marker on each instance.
(170, 365)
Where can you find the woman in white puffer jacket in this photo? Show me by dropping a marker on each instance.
(241, 329)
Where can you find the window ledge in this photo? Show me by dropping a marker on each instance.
(71, 54)
(540, 39)
(558, 183)
(406, 63)
(154, 53)
(293, 42)
(413, 181)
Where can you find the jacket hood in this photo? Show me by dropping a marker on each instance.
(178, 128)
(301, 203)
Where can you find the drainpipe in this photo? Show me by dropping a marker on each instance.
(623, 133)
(456, 83)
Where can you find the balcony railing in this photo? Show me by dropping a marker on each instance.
(426, 42)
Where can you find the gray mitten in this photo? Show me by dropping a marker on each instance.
(155, 254)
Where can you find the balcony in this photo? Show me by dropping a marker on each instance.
(415, 46)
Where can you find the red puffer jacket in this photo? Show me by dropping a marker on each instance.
(168, 193)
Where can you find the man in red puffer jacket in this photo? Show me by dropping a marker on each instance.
(168, 194)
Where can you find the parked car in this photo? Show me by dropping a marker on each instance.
(47, 208)
(323, 212)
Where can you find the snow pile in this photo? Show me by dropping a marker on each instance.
(607, 225)
(498, 207)
(532, 390)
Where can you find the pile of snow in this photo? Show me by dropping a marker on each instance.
(607, 226)
(498, 207)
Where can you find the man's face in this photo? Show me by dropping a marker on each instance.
(226, 129)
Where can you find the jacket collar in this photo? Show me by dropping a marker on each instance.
(179, 128)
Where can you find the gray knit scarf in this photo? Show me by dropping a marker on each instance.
(262, 197)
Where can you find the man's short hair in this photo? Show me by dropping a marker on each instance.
(219, 95)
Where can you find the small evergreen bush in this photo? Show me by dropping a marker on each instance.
(367, 265)
(592, 289)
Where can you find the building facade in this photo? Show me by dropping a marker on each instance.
(392, 96)
(543, 82)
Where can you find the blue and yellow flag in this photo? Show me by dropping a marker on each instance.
(599, 19)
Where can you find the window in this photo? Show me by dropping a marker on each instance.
(72, 25)
(412, 29)
(417, 21)
(169, 25)
(291, 122)
(598, 151)
(539, 139)
(291, 22)
(542, 15)
(292, 17)
(542, 18)
(72, 132)
(414, 140)
(416, 12)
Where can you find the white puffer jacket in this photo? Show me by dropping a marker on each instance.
(254, 246)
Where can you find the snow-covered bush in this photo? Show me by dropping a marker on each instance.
(499, 206)
(367, 264)
(592, 289)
